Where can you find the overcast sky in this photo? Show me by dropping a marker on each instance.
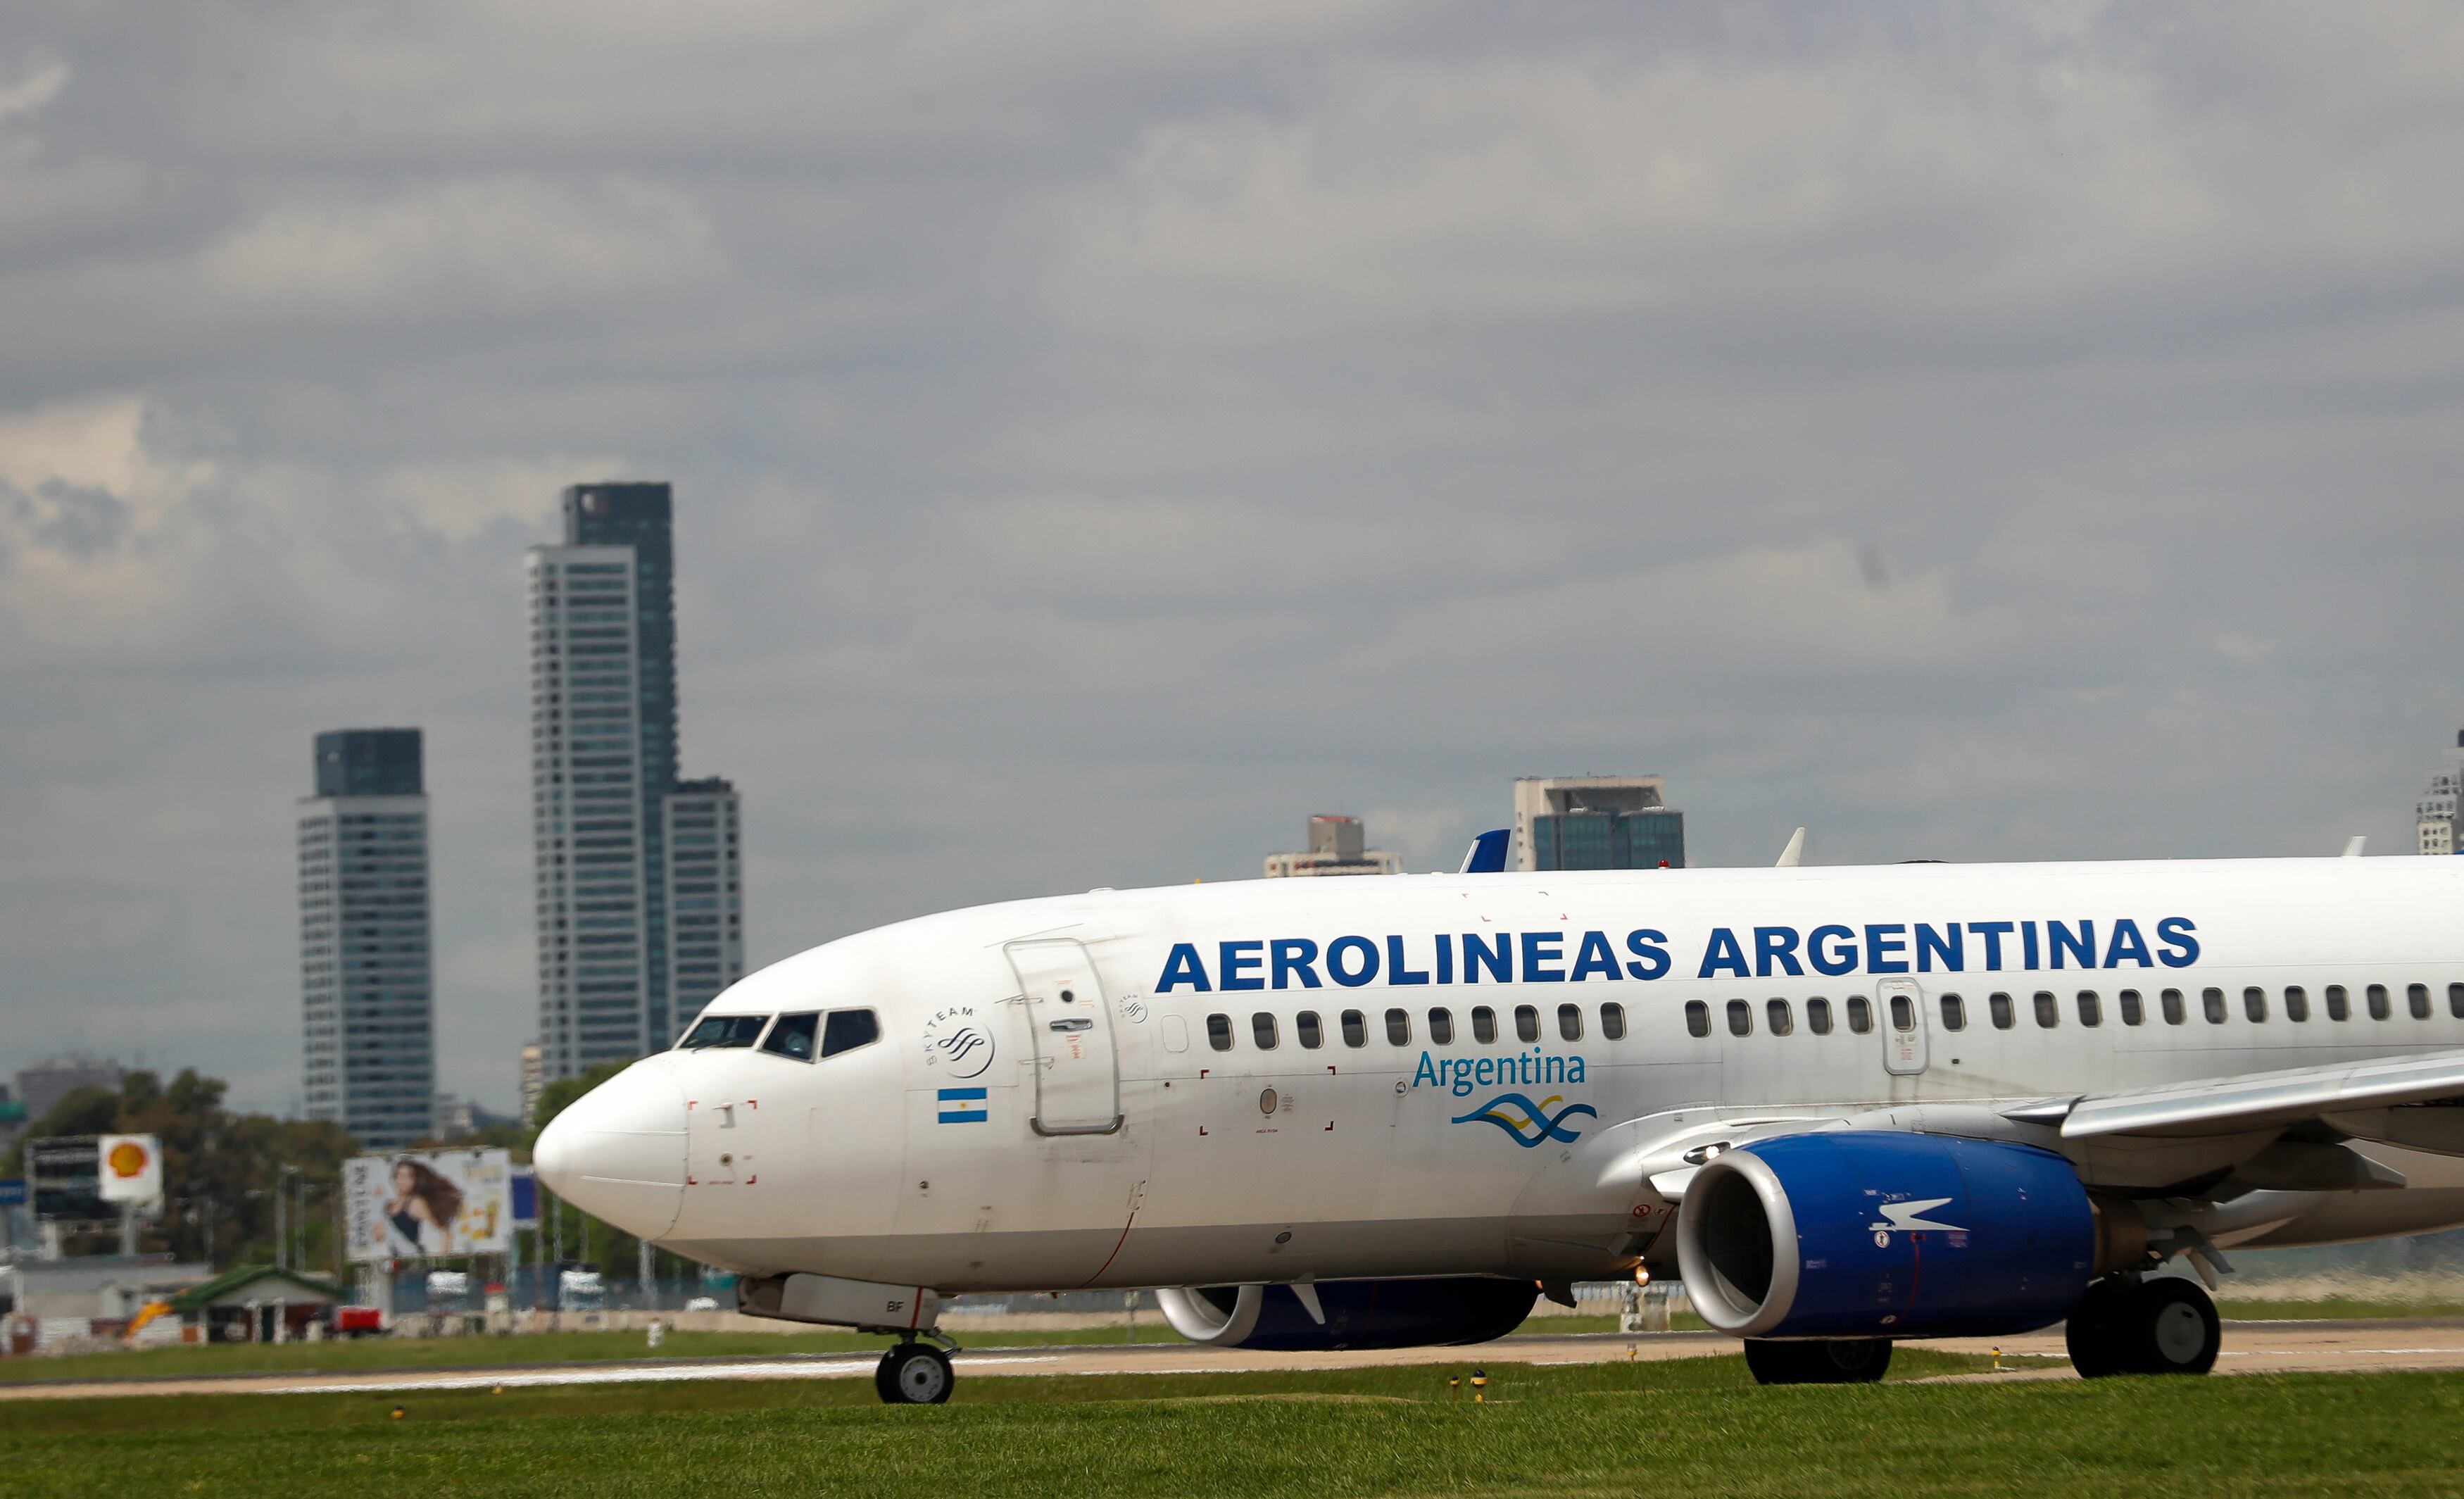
(1105, 435)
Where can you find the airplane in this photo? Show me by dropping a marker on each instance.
(1844, 1106)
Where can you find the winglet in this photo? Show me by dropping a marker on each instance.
(1487, 853)
(2353, 845)
(1795, 853)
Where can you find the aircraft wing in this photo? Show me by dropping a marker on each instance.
(2259, 1100)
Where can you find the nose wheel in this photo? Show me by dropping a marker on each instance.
(913, 1374)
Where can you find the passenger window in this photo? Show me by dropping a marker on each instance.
(792, 1036)
(2171, 1001)
(1219, 1032)
(1304, 1026)
(848, 1030)
(1570, 1022)
(1527, 1022)
(1998, 1006)
(2379, 1006)
(1741, 1017)
(1698, 1019)
(2253, 1004)
(1782, 1022)
(1613, 1023)
(713, 1031)
(1399, 1027)
(2212, 1003)
(1860, 1014)
(2049, 1013)
(2296, 1002)
(2133, 1012)
(1954, 1012)
(1903, 1014)
(1355, 1028)
(1261, 1030)
(2091, 1010)
(1442, 1027)
(2417, 996)
(2455, 1000)
(2340, 1006)
(1483, 1025)
(1817, 1016)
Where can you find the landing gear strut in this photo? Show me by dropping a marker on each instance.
(2143, 1326)
(913, 1374)
(1818, 1361)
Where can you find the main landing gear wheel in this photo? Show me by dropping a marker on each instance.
(913, 1374)
(2155, 1327)
(1818, 1361)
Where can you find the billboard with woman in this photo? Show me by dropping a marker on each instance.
(423, 1204)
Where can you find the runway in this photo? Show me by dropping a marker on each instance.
(2249, 1348)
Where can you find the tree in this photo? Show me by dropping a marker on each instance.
(221, 1170)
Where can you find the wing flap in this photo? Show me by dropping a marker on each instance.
(2256, 1100)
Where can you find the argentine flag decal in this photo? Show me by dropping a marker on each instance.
(964, 1106)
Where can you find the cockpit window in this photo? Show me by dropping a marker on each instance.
(848, 1030)
(723, 1030)
(792, 1036)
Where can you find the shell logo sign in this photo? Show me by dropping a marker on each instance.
(132, 1167)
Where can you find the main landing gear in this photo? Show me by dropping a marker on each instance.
(1818, 1361)
(913, 1374)
(2128, 1325)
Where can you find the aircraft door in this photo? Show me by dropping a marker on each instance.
(1903, 1026)
(1070, 1025)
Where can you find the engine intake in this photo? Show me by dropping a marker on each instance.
(1881, 1234)
(1360, 1313)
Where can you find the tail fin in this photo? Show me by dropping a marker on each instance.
(1487, 853)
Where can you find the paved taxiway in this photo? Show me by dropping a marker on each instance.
(2250, 1348)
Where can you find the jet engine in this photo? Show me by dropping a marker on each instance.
(1883, 1234)
(1356, 1313)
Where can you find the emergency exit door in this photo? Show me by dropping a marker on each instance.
(1070, 1025)
(1903, 1026)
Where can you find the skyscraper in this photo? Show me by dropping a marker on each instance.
(604, 756)
(1596, 822)
(367, 996)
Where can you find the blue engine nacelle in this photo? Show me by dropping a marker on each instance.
(1360, 1313)
(1876, 1234)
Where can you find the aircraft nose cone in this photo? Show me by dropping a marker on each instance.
(618, 1151)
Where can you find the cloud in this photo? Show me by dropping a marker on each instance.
(1104, 436)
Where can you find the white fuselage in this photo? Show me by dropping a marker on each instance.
(1118, 1089)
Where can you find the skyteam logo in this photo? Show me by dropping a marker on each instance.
(956, 1044)
(1530, 1123)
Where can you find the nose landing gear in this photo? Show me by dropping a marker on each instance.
(913, 1374)
(2143, 1326)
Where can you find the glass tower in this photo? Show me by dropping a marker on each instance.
(604, 770)
(367, 1001)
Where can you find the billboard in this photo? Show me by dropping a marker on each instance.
(130, 1167)
(423, 1203)
(65, 1173)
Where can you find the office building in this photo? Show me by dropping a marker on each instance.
(705, 902)
(1336, 846)
(604, 759)
(533, 1080)
(368, 999)
(1596, 822)
(2435, 816)
(42, 1085)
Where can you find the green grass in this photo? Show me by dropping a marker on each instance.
(1695, 1428)
(2335, 1306)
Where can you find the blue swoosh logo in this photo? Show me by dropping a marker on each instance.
(1501, 1111)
